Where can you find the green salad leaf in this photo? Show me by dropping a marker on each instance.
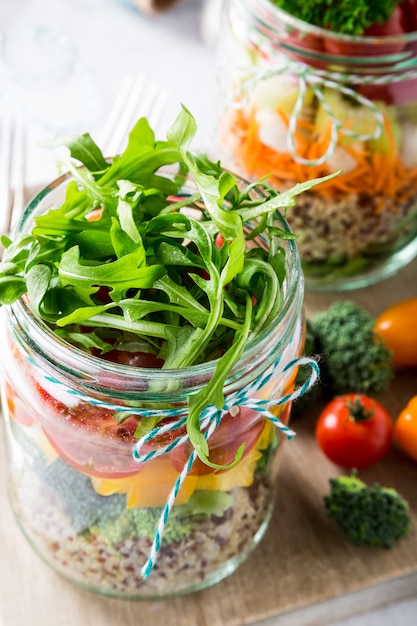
(135, 257)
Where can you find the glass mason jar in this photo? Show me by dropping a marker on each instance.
(298, 102)
(129, 517)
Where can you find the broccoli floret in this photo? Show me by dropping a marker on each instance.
(140, 522)
(176, 529)
(83, 505)
(370, 516)
(108, 517)
(201, 505)
(355, 358)
(74, 489)
(205, 502)
(115, 527)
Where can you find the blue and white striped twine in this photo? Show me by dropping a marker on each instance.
(210, 419)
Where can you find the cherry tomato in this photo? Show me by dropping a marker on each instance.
(232, 432)
(219, 241)
(354, 431)
(95, 215)
(405, 429)
(134, 359)
(397, 326)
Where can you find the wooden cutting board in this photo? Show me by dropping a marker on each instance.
(304, 572)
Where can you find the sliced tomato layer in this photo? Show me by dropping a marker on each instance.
(95, 440)
(90, 438)
(153, 484)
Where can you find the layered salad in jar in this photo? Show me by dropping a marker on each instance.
(133, 472)
(307, 89)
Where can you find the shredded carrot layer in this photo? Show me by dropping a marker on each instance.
(379, 174)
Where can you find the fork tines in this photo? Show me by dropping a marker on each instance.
(137, 98)
(12, 172)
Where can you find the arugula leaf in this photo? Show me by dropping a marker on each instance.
(282, 200)
(178, 294)
(212, 393)
(180, 342)
(120, 275)
(135, 310)
(83, 314)
(84, 149)
(128, 199)
(133, 254)
(141, 158)
(86, 340)
(38, 280)
(267, 279)
(11, 288)
(183, 130)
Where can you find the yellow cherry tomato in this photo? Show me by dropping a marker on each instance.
(397, 326)
(405, 429)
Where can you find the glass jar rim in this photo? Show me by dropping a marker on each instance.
(45, 342)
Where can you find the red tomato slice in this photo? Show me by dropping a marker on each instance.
(89, 438)
(302, 45)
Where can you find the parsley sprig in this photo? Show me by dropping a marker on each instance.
(123, 257)
(351, 17)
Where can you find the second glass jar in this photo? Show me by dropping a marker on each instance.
(298, 102)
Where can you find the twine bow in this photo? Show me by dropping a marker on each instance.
(317, 79)
(210, 419)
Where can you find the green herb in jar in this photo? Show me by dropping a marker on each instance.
(351, 17)
(129, 269)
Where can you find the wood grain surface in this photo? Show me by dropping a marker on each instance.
(304, 572)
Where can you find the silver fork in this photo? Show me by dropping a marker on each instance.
(12, 172)
(137, 98)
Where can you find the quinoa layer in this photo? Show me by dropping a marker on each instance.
(348, 227)
(214, 547)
